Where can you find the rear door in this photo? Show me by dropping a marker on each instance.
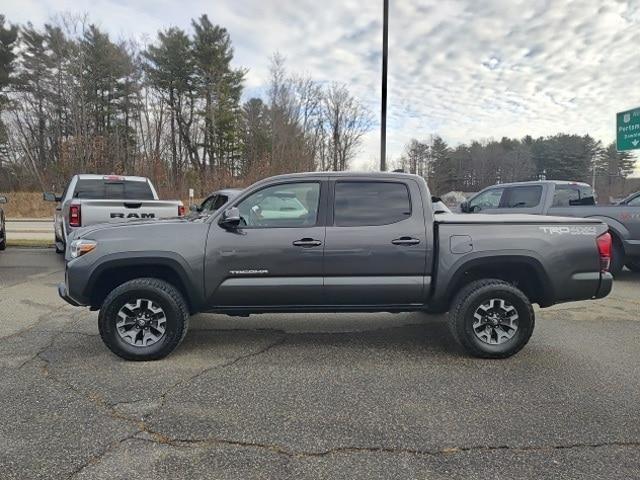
(375, 249)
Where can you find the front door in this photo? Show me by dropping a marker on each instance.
(376, 244)
(274, 258)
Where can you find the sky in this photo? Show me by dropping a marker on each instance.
(465, 70)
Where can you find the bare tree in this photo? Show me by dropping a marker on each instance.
(346, 120)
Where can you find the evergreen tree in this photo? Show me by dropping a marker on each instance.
(8, 36)
(444, 171)
(220, 86)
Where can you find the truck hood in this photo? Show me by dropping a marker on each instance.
(510, 218)
(93, 229)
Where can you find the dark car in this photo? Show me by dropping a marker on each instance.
(3, 229)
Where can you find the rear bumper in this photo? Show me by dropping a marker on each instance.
(606, 284)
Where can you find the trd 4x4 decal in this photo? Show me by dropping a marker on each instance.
(564, 230)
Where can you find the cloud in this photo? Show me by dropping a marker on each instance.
(461, 69)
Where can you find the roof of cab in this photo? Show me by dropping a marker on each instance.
(540, 182)
(345, 175)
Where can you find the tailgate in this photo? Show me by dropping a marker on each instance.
(103, 211)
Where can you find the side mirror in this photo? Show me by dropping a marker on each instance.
(3, 199)
(230, 218)
(464, 207)
(51, 197)
(195, 208)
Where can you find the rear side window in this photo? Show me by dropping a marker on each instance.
(523, 197)
(370, 203)
(573, 195)
(113, 190)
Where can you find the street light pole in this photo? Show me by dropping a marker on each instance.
(383, 119)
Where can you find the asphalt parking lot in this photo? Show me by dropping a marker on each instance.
(314, 396)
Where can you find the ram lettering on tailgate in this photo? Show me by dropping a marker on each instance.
(133, 215)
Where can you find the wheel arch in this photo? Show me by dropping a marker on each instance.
(618, 230)
(524, 271)
(114, 271)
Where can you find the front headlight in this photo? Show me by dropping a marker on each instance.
(81, 247)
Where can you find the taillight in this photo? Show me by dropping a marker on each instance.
(181, 210)
(604, 249)
(75, 220)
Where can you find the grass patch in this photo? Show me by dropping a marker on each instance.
(29, 243)
(27, 205)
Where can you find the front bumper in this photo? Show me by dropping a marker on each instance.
(62, 291)
(606, 284)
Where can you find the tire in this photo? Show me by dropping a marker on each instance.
(485, 296)
(634, 265)
(60, 246)
(151, 295)
(617, 257)
(3, 243)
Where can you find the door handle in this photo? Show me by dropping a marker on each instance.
(405, 241)
(307, 242)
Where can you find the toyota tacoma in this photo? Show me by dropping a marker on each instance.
(334, 242)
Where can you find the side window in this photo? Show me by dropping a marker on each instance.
(288, 205)
(370, 203)
(209, 204)
(565, 196)
(523, 197)
(634, 202)
(587, 196)
(487, 199)
(220, 201)
(573, 195)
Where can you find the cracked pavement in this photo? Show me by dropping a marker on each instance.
(314, 396)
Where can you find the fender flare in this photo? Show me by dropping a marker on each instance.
(444, 294)
(170, 260)
(616, 227)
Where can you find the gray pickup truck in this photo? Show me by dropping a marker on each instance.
(334, 242)
(567, 199)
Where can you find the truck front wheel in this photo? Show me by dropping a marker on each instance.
(491, 318)
(143, 319)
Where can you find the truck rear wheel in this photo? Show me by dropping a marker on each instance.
(492, 319)
(143, 319)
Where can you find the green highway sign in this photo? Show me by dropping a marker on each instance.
(628, 130)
